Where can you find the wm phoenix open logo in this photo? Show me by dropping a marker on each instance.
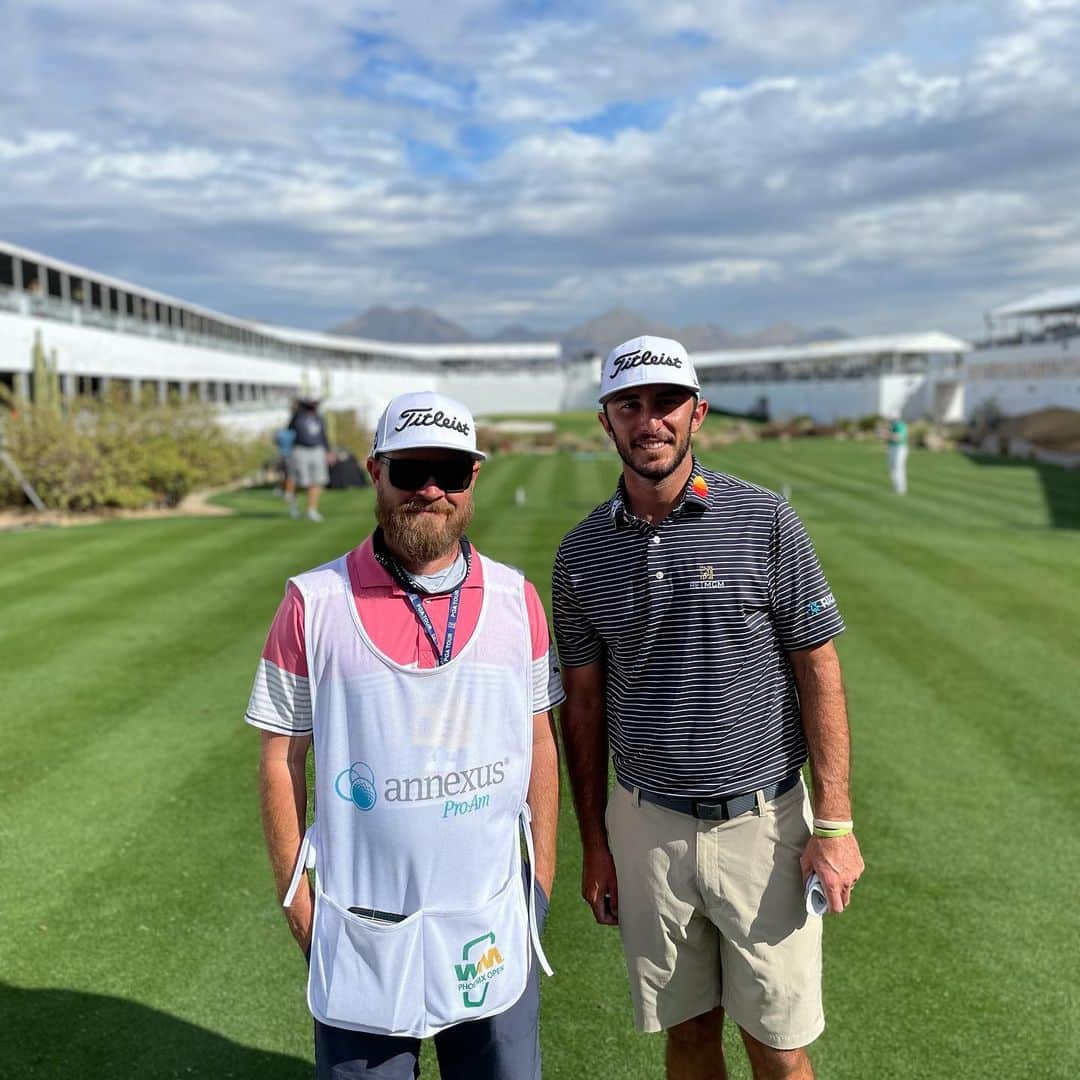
(481, 962)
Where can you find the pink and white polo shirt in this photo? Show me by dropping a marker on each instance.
(281, 699)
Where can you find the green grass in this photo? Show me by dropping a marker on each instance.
(139, 936)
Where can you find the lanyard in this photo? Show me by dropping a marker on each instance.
(409, 587)
(442, 655)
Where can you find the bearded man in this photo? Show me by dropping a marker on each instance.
(695, 631)
(422, 675)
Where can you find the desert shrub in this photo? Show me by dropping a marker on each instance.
(345, 432)
(115, 454)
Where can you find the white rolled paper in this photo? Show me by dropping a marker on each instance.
(816, 904)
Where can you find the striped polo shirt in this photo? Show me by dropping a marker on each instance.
(694, 617)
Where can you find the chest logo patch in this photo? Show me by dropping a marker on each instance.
(707, 579)
(356, 784)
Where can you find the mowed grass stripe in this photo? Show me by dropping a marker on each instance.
(143, 640)
(88, 593)
(940, 884)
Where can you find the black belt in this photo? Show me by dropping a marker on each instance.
(720, 809)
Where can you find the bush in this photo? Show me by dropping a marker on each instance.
(114, 454)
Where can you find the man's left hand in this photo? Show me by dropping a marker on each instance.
(838, 862)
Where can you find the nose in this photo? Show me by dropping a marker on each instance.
(430, 490)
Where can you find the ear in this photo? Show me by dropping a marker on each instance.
(602, 417)
(701, 409)
(374, 469)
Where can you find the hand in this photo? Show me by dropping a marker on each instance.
(331, 459)
(301, 915)
(599, 885)
(838, 862)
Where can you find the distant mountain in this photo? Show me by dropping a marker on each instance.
(597, 335)
(414, 324)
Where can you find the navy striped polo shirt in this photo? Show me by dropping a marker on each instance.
(694, 617)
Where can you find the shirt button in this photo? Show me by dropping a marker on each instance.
(656, 539)
(659, 575)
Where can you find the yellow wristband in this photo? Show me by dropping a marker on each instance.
(830, 833)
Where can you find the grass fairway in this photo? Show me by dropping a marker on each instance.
(139, 935)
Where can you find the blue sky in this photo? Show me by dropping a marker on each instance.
(879, 167)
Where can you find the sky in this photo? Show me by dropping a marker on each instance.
(879, 167)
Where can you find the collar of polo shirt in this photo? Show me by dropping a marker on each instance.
(622, 515)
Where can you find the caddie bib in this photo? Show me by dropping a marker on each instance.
(421, 776)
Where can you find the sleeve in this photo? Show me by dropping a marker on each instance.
(579, 643)
(281, 697)
(803, 605)
(546, 682)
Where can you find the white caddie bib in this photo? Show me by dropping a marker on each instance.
(420, 784)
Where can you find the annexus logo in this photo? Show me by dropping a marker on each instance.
(627, 360)
(707, 579)
(447, 786)
(481, 962)
(816, 607)
(699, 488)
(428, 417)
(358, 782)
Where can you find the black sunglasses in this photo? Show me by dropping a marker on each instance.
(411, 474)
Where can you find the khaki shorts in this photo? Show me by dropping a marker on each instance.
(307, 466)
(713, 913)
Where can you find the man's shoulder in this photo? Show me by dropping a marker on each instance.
(727, 488)
(317, 576)
(587, 532)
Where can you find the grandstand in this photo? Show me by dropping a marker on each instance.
(1030, 359)
(908, 375)
(105, 332)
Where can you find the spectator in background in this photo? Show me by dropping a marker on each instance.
(309, 458)
(283, 440)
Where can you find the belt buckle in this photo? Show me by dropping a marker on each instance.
(710, 811)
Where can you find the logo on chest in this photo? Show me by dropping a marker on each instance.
(707, 579)
(356, 784)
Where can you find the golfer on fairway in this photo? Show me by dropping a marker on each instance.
(421, 672)
(694, 628)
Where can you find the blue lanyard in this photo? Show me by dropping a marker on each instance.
(443, 655)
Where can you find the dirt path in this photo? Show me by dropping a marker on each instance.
(197, 504)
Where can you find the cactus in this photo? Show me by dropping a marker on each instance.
(46, 386)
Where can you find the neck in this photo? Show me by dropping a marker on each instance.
(651, 500)
(432, 566)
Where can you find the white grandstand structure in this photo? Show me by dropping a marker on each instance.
(1031, 357)
(104, 331)
(908, 375)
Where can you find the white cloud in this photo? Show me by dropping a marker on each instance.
(789, 152)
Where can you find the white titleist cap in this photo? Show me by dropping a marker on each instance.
(426, 420)
(644, 360)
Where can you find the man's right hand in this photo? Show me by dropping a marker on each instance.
(301, 915)
(599, 885)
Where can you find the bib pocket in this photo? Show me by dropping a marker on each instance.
(363, 968)
(477, 962)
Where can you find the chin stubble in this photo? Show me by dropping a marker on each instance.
(656, 472)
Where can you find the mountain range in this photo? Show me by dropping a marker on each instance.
(418, 324)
